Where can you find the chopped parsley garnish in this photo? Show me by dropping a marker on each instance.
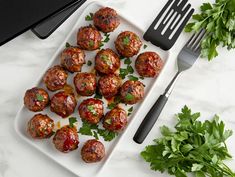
(91, 108)
(145, 46)
(127, 61)
(95, 134)
(39, 97)
(106, 37)
(106, 59)
(126, 40)
(116, 101)
(68, 45)
(130, 111)
(122, 58)
(89, 63)
(95, 131)
(111, 105)
(130, 69)
(123, 73)
(141, 77)
(129, 97)
(107, 135)
(87, 128)
(91, 43)
(84, 84)
(108, 121)
(133, 78)
(72, 120)
(89, 17)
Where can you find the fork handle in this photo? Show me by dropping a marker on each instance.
(150, 119)
(152, 116)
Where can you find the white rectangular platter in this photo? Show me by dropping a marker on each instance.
(72, 161)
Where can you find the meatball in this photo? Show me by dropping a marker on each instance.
(40, 126)
(91, 110)
(89, 38)
(107, 61)
(55, 78)
(72, 59)
(63, 104)
(128, 44)
(36, 99)
(85, 83)
(132, 91)
(148, 64)
(92, 151)
(106, 19)
(66, 139)
(109, 85)
(115, 120)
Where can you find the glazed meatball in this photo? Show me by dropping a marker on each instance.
(63, 104)
(91, 110)
(55, 78)
(72, 59)
(107, 61)
(128, 44)
(148, 64)
(36, 99)
(93, 151)
(89, 38)
(85, 84)
(132, 91)
(40, 126)
(66, 139)
(106, 19)
(115, 120)
(109, 85)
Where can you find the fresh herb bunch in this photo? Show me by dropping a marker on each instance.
(195, 146)
(219, 21)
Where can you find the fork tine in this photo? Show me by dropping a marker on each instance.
(200, 40)
(195, 40)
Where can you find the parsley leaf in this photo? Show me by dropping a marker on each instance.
(91, 108)
(39, 97)
(107, 135)
(218, 19)
(72, 120)
(133, 78)
(126, 40)
(68, 45)
(89, 17)
(127, 61)
(129, 97)
(194, 147)
(86, 128)
(89, 63)
(95, 131)
(145, 46)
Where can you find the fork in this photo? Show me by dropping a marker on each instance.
(186, 58)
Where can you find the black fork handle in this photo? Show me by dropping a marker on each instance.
(152, 116)
(150, 119)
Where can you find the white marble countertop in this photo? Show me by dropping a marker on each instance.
(208, 87)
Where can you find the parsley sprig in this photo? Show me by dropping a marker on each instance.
(89, 17)
(195, 146)
(95, 131)
(219, 21)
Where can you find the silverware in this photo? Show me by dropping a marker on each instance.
(168, 25)
(186, 58)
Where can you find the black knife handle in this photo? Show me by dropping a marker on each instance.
(150, 119)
